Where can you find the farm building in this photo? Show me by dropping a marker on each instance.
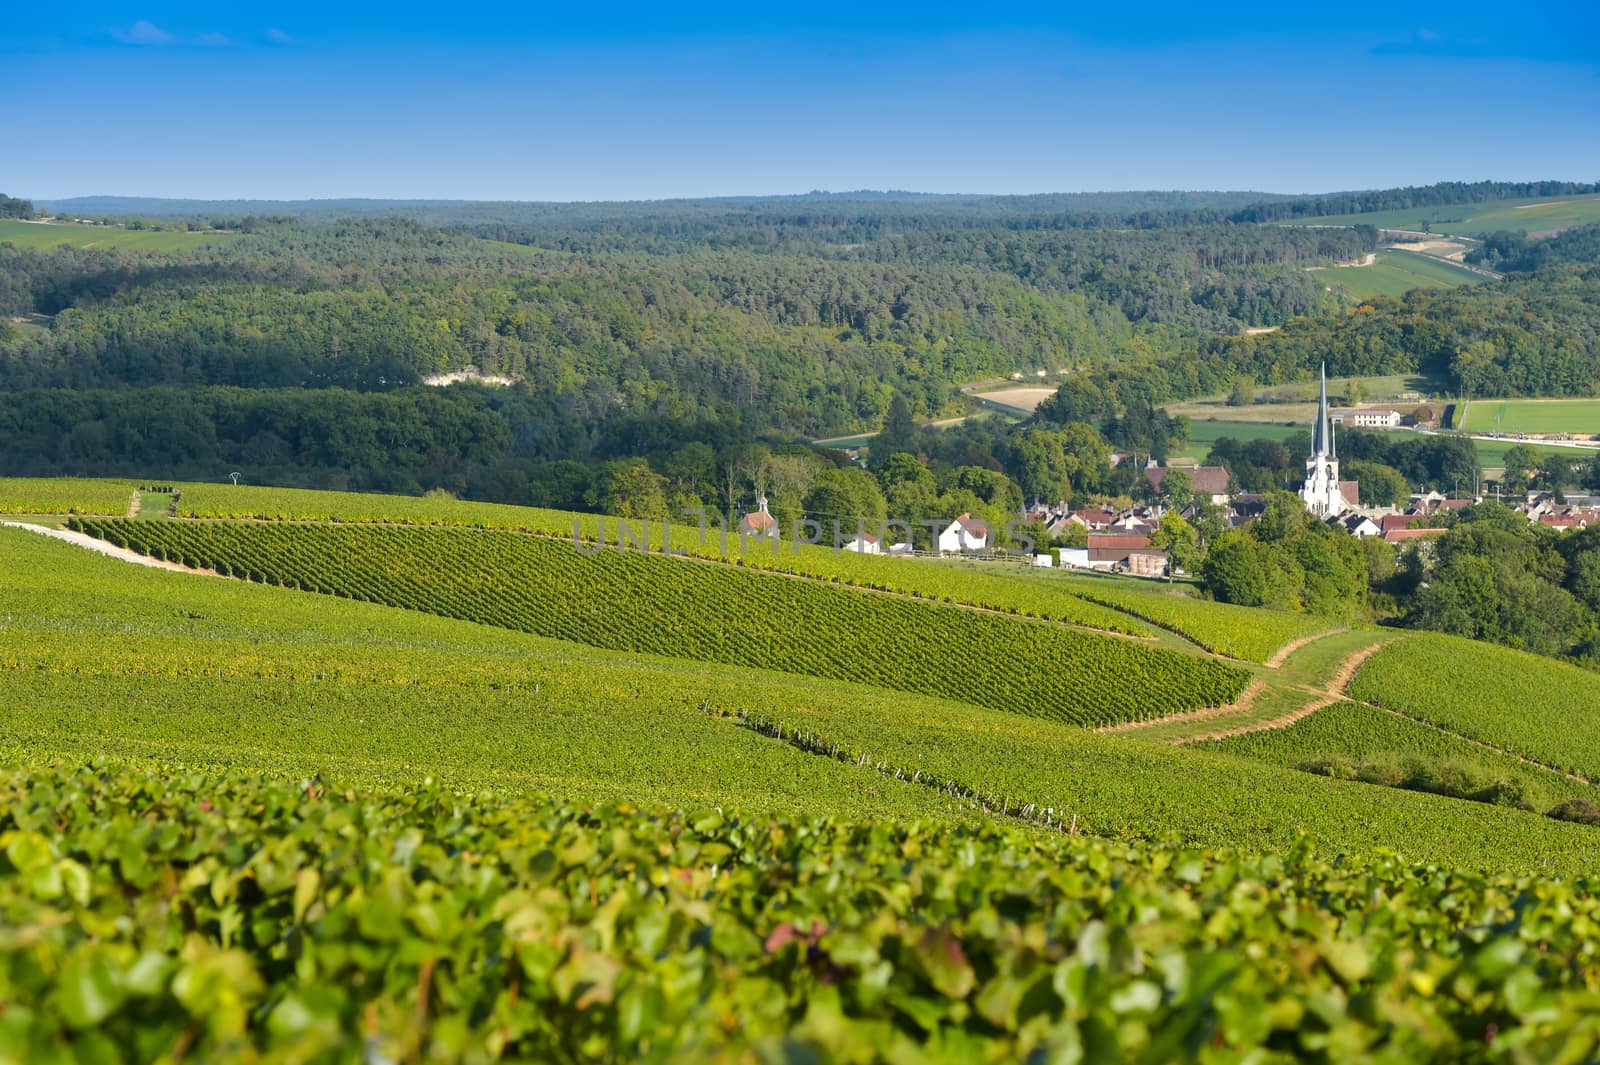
(1369, 417)
(1129, 554)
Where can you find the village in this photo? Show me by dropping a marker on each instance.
(1125, 541)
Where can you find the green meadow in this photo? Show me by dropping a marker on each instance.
(1394, 273)
(1518, 216)
(53, 234)
(1581, 417)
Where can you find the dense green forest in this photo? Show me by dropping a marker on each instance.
(1519, 253)
(1071, 210)
(1529, 335)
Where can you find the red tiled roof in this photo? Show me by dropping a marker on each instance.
(1396, 535)
(1124, 543)
(1207, 480)
(974, 526)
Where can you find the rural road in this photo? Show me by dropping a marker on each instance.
(111, 550)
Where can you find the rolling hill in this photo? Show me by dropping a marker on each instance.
(702, 815)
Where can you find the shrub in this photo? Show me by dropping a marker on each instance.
(1583, 811)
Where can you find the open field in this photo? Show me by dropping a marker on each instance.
(1519, 216)
(1492, 453)
(1580, 417)
(1394, 273)
(1283, 402)
(1203, 434)
(1019, 398)
(1436, 248)
(50, 235)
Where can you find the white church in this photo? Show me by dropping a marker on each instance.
(1324, 493)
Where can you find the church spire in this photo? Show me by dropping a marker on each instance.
(1322, 444)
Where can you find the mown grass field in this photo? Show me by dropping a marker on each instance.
(1580, 417)
(50, 235)
(1394, 273)
(1204, 433)
(1518, 216)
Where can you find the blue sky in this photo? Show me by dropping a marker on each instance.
(631, 101)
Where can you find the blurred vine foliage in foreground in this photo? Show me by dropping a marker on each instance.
(166, 911)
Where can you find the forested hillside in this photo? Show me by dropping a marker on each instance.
(296, 348)
(1530, 335)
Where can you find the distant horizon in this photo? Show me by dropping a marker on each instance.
(841, 194)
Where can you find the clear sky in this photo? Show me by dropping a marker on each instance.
(595, 100)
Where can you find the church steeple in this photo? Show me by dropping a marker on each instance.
(1321, 491)
(1322, 436)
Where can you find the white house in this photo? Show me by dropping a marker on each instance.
(865, 544)
(1357, 525)
(966, 533)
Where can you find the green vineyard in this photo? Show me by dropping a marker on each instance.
(920, 577)
(1359, 742)
(97, 655)
(653, 604)
(33, 495)
(1235, 631)
(281, 919)
(1540, 709)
